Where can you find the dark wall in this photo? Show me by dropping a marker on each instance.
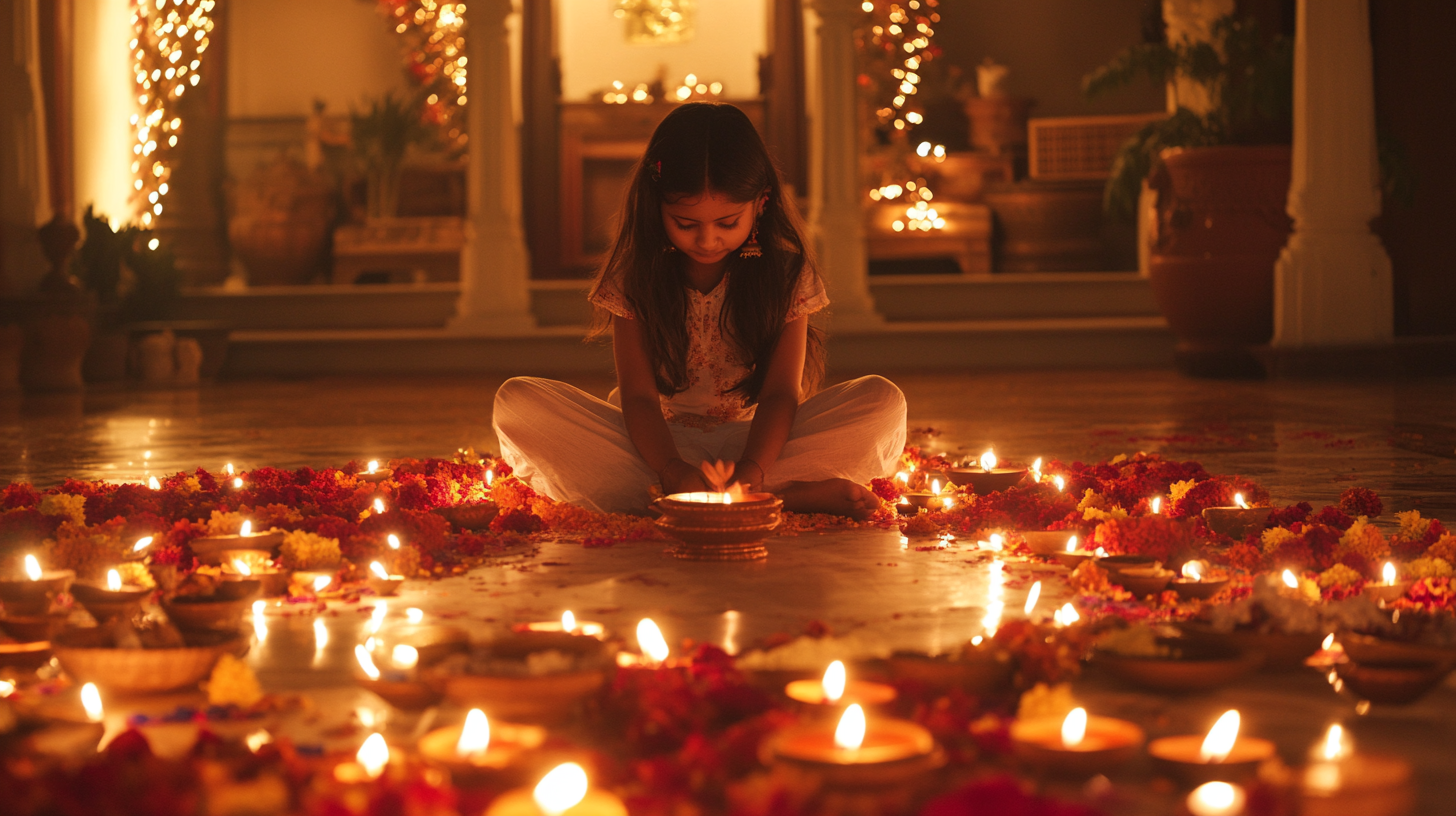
(1049, 45)
(1415, 83)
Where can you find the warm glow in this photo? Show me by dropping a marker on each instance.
(474, 735)
(142, 543)
(414, 615)
(1216, 799)
(568, 621)
(1336, 744)
(228, 468)
(1239, 500)
(561, 789)
(1156, 504)
(997, 542)
(393, 541)
(241, 567)
(320, 634)
(1328, 642)
(376, 617)
(91, 701)
(405, 656)
(988, 461)
(260, 623)
(1388, 573)
(374, 755)
(903, 477)
(246, 529)
(322, 581)
(32, 568)
(1074, 728)
(1072, 544)
(153, 483)
(379, 505)
(1060, 483)
(256, 740)
(373, 465)
(1289, 580)
(366, 662)
(379, 570)
(650, 640)
(850, 733)
(834, 681)
(113, 580)
(489, 477)
(1031, 598)
(1066, 616)
(238, 483)
(1192, 572)
(935, 486)
(7, 688)
(1036, 469)
(1221, 738)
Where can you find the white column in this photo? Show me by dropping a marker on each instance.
(836, 208)
(1332, 284)
(494, 267)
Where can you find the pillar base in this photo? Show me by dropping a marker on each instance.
(1332, 289)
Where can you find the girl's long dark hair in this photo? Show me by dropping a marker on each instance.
(704, 147)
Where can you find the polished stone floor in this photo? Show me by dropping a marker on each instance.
(1304, 441)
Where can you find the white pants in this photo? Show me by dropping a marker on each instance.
(573, 447)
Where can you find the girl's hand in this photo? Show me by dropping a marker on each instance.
(681, 477)
(747, 472)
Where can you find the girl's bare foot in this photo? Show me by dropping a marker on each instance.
(839, 497)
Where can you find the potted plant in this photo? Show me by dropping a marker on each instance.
(134, 279)
(381, 135)
(1221, 181)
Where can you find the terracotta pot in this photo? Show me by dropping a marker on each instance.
(1220, 226)
(1048, 226)
(283, 220)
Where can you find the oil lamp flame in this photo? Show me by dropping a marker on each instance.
(91, 701)
(1060, 483)
(850, 733)
(650, 640)
(379, 505)
(475, 735)
(414, 615)
(366, 662)
(1216, 799)
(834, 681)
(1066, 616)
(1221, 738)
(489, 477)
(32, 568)
(246, 529)
(373, 465)
(1388, 573)
(1289, 580)
(561, 789)
(393, 541)
(256, 740)
(113, 580)
(1239, 500)
(1335, 744)
(376, 617)
(1074, 728)
(142, 543)
(405, 656)
(379, 570)
(903, 477)
(238, 483)
(1036, 469)
(1031, 598)
(154, 484)
(568, 621)
(997, 542)
(1192, 572)
(321, 581)
(1071, 544)
(228, 469)
(374, 755)
(935, 486)
(988, 461)
(1156, 505)
(241, 567)
(1328, 642)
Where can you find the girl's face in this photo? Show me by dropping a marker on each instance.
(707, 227)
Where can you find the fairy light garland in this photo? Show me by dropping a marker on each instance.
(169, 39)
(434, 33)
(903, 34)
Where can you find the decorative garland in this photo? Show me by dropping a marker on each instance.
(434, 36)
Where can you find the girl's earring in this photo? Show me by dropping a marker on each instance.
(750, 248)
(669, 248)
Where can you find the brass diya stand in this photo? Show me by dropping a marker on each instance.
(717, 531)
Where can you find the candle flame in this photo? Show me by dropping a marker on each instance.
(91, 701)
(1074, 728)
(405, 656)
(997, 542)
(1100, 553)
(489, 477)
(228, 468)
(256, 740)
(374, 755)
(1071, 544)
(1212, 798)
(1289, 580)
(1336, 744)
(154, 484)
(379, 505)
(1036, 470)
(568, 621)
(414, 615)
(949, 502)
(32, 568)
(988, 461)
(1060, 483)
(903, 477)
(238, 483)
(366, 662)
(1031, 598)
(935, 486)
(379, 570)
(1192, 572)
(1388, 573)
(1328, 642)
(1239, 500)
(834, 681)
(1156, 504)
(246, 529)
(142, 543)
(561, 789)
(1066, 616)
(850, 733)
(1221, 738)
(373, 466)
(393, 541)
(242, 567)
(474, 735)
(113, 580)
(650, 640)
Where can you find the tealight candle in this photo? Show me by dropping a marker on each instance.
(1339, 780)
(568, 624)
(1077, 743)
(1216, 799)
(478, 745)
(858, 751)
(835, 688)
(564, 791)
(1222, 754)
(1389, 589)
(1193, 583)
(1237, 520)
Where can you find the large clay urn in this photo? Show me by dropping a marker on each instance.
(282, 221)
(1220, 226)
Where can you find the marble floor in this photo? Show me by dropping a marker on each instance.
(1304, 441)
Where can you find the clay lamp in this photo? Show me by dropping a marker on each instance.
(71, 735)
(835, 689)
(1077, 744)
(1221, 755)
(1050, 542)
(374, 473)
(1074, 554)
(368, 764)
(914, 501)
(564, 791)
(478, 748)
(381, 581)
(1339, 780)
(987, 478)
(397, 682)
(1389, 589)
(32, 592)
(857, 753)
(210, 549)
(1216, 799)
(568, 624)
(112, 600)
(1236, 520)
(1192, 584)
(255, 565)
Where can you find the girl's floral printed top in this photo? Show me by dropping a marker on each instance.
(713, 363)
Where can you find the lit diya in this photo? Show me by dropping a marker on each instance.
(368, 764)
(1075, 744)
(1338, 780)
(479, 747)
(726, 526)
(857, 752)
(564, 791)
(933, 499)
(1073, 554)
(835, 688)
(568, 624)
(395, 677)
(1223, 754)
(255, 565)
(209, 549)
(32, 592)
(987, 478)
(1194, 582)
(381, 581)
(1237, 520)
(114, 599)
(1388, 589)
(1050, 542)
(1216, 799)
(374, 473)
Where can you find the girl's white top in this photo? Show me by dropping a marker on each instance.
(713, 362)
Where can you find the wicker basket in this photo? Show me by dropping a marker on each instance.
(141, 671)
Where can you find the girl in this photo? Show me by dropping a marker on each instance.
(709, 288)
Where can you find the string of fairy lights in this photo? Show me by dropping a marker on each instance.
(169, 39)
(434, 34)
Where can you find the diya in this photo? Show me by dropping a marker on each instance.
(568, 624)
(209, 549)
(1340, 780)
(1388, 589)
(112, 600)
(835, 688)
(1077, 744)
(1192, 584)
(1216, 799)
(32, 593)
(857, 753)
(1050, 542)
(719, 526)
(374, 473)
(564, 791)
(1220, 756)
(1237, 520)
(478, 747)
(381, 581)
(987, 478)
